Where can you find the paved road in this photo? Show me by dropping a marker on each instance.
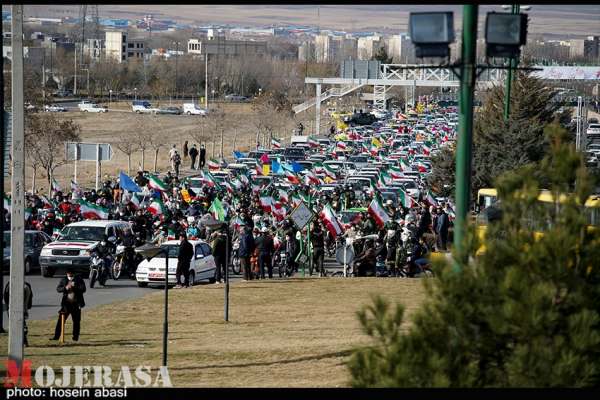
(46, 301)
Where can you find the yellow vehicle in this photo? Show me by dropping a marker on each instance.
(488, 208)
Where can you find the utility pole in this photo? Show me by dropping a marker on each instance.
(3, 115)
(206, 81)
(512, 64)
(176, 58)
(465, 124)
(17, 232)
(75, 75)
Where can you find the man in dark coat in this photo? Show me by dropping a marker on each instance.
(193, 154)
(140, 179)
(202, 157)
(317, 239)
(186, 252)
(72, 288)
(424, 222)
(443, 223)
(266, 247)
(219, 251)
(245, 251)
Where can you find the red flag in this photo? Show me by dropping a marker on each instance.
(265, 159)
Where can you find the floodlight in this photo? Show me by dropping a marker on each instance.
(505, 34)
(431, 33)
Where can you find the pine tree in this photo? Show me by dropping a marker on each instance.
(525, 313)
(500, 146)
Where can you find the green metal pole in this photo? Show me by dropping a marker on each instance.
(512, 64)
(310, 260)
(465, 124)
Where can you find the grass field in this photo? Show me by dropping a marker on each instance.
(281, 333)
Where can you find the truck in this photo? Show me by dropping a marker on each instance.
(143, 107)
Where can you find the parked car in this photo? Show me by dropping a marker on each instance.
(235, 97)
(54, 108)
(30, 107)
(593, 130)
(63, 93)
(92, 107)
(202, 266)
(170, 110)
(193, 109)
(143, 107)
(34, 242)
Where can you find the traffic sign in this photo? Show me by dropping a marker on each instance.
(89, 151)
(301, 216)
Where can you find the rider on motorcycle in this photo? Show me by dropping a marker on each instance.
(129, 251)
(105, 250)
(365, 263)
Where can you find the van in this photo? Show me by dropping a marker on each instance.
(72, 250)
(142, 107)
(193, 109)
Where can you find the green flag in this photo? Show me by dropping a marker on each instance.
(217, 210)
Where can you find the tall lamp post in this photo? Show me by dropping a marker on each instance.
(149, 252)
(135, 93)
(109, 97)
(176, 58)
(512, 64)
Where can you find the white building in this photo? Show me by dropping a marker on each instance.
(369, 46)
(306, 51)
(401, 50)
(121, 47)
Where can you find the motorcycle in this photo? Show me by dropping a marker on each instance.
(236, 266)
(118, 265)
(98, 270)
(280, 261)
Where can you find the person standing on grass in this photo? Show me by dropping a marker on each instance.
(202, 157)
(245, 250)
(176, 163)
(72, 288)
(193, 154)
(266, 247)
(186, 252)
(185, 150)
(219, 251)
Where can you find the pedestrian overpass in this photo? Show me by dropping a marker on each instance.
(415, 75)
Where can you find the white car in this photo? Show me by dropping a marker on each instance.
(91, 107)
(54, 108)
(593, 130)
(193, 109)
(202, 266)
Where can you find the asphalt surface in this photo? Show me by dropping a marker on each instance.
(46, 300)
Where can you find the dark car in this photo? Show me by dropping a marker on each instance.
(34, 241)
(170, 110)
(63, 93)
(294, 154)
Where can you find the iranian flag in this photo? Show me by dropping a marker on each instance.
(75, 187)
(377, 211)
(293, 178)
(283, 196)
(279, 211)
(341, 145)
(404, 165)
(7, 203)
(421, 167)
(92, 211)
(255, 188)
(244, 179)
(275, 143)
(258, 168)
(55, 185)
(430, 199)
(312, 178)
(236, 183)
(213, 164)
(385, 178)
(329, 171)
(135, 201)
(156, 207)
(208, 180)
(266, 202)
(156, 183)
(426, 149)
(228, 186)
(296, 200)
(312, 142)
(330, 220)
(406, 200)
(396, 173)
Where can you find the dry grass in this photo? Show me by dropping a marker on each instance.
(282, 333)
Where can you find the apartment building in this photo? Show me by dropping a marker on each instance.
(217, 44)
(121, 47)
(369, 46)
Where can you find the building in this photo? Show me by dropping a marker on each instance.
(401, 49)
(121, 47)
(94, 48)
(219, 45)
(327, 48)
(369, 46)
(587, 48)
(306, 51)
(348, 48)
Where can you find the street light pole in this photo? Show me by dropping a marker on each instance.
(512, 63)
(465, 125)
(166, 320)
(176, 58)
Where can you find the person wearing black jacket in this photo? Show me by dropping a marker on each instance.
(27, 304)
(202, 160)
(266, 248)
(245, 250)
(129, 251)
(186, 252)
(72, 288)
(219, 251)
(193, 154)
(317, 239)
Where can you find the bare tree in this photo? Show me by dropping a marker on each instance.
(47, 135)
(127, 145)
(156, 141)
(144, 124)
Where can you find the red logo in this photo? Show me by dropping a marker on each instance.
(14, 375)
